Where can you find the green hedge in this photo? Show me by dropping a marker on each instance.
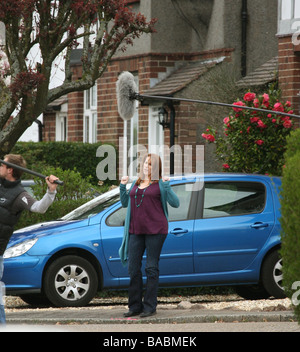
(75, 192)
(290, 221)
(66, 155)
(293, 144)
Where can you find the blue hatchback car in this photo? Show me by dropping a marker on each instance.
(225, 232)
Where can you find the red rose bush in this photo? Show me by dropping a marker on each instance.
(253, 141)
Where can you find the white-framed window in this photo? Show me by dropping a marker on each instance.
(288, 13)
(61, 124)
(61, 127)
(90, 117)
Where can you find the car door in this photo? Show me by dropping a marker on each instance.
(112, 230)
(237, 220)
(177, 253)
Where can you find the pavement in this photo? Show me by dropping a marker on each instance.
(114, 315)
(108, 322)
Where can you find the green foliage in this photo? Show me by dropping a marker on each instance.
(290, 219)
(293, 142)
(75, 192)
(66, 155)
(74, 187)
(253, 141)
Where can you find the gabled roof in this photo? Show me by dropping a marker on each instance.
(56, 104)
(262, 75)
(179, 79)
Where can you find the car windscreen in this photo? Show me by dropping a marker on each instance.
(94, 206)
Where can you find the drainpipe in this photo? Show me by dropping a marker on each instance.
(172, 136)
(244, 38)
(40, 125)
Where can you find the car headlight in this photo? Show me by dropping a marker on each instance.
(19, 249)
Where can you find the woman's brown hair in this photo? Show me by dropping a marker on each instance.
(156, 168)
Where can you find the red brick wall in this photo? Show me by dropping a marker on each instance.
(75, 111)
(49, 122)
(289, 71)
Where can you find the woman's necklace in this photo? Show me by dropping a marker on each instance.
(135, 196)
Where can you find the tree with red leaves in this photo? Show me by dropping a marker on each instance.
(103, 26)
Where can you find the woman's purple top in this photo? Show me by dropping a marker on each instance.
(147, 215)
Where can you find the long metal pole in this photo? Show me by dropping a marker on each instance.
(141, 97)
(34, 173)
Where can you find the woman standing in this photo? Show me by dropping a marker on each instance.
(146, 227)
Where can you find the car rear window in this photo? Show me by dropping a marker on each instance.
(233, 198)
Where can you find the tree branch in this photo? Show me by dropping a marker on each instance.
(57, 24)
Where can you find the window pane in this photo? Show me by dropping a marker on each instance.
(94, 96)
(117, 218)
(181, 213)
(86, 128)
(94, 127)
(297, 9)
(87, 99)
(286, 9)
(233, 198)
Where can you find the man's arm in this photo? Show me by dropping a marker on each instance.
(41, 206)
(26, 202)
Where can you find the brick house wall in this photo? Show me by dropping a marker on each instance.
(289, 52)
(289, 70)
(49, 130)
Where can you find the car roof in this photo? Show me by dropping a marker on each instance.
(221, 175)
(27, 183)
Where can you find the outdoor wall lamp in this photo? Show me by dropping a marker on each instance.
(163, 118)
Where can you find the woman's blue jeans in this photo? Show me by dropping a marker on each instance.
(137, 246)
(2, 311)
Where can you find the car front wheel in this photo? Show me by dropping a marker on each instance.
(70, 281)
(271, 275)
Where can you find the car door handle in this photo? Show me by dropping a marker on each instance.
(259, 225)
(178, 231)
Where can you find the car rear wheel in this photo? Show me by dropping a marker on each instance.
(271, 275)
(70, 281)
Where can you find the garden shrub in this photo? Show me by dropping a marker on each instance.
(66, 155)
(75, 192)
(290, 221)
(253, 141)
(293, 143)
